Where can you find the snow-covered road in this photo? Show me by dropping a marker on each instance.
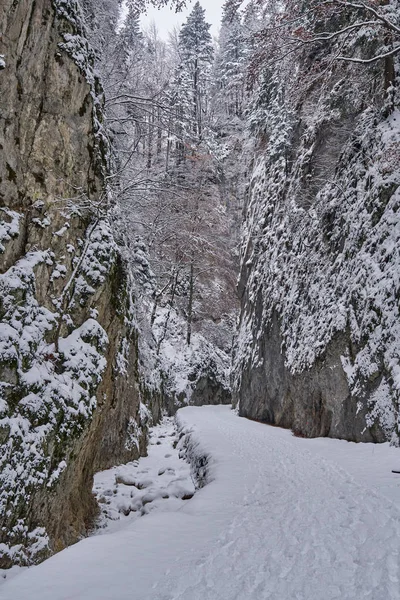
(284, 518)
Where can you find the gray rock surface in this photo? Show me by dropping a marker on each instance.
(318, 343)
(70, 399)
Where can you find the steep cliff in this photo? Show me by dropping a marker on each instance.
(69, 391)
(319, 341)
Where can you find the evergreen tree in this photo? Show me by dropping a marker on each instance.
(230, 64)
(101, 17)
(130, 36)
(180, 101)
(196, 52)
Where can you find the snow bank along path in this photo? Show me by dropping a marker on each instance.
(160, 481)
(281, 518)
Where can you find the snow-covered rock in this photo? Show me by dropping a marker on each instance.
(318, 346)
(70, 401)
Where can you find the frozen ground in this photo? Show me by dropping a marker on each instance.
(281, 518)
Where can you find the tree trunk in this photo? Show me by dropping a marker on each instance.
(195, 98)
(389, 82)
(168, 150)
(190, 305)
(171, 303)
(159, 132)
(150, 143)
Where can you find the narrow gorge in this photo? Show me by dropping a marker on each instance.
(198, 220)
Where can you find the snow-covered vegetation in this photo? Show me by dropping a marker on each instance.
(321, 232)
(139, 176)
(175, 213)
(49, 384)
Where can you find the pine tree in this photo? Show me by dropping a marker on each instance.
(130, 37)
(101, 17)
(180, 101)
(196, 51)
(229, 71)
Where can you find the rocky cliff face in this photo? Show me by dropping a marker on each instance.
(69, 391)
(318, 345)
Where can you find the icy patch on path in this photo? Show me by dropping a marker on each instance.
(281, 518)
(160, 481)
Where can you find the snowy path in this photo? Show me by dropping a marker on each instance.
(284, 518)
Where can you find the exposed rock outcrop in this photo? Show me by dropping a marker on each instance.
(318, 345)
(69, 394)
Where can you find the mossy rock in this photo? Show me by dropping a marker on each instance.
(9, 371)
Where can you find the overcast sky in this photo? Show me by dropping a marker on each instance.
(166, 18)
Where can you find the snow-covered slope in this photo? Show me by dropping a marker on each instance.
(281, 517)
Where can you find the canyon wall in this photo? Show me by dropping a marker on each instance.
(70, 398)
(319, 341)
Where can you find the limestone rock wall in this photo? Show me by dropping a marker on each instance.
(318, 343)
(70, 400)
